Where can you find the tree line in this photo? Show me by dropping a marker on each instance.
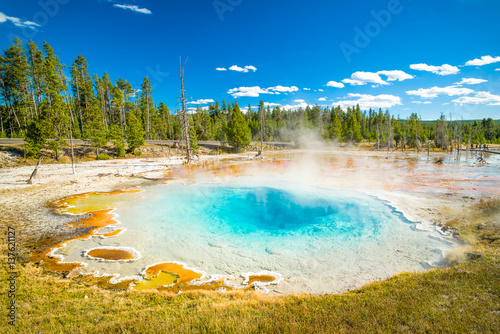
(47, 103)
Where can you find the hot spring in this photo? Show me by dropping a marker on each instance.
(318, 240)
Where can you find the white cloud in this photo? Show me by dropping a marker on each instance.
(268, 104)
(322, 99)
(299, 101)
(498, 69)
(440, 70)
(284, 89)
(366, 101)
(335, 84)
(479, 98)
(245, 69)
(256, 91)
(302, 105)
(430, 93)
(354, 82)
(310, 88)
(18, 22)
(202, 101)
(248, 91)
(194, 110)
(484, 60)
(396, 75)
(221, 69)
(470, 81)
(362, 78)
(420, 102)
(134, 8)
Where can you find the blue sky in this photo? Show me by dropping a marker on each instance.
(423, 56)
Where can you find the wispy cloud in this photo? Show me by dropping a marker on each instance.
(470, 81)
(484, 60)
(18, 22)
(479, 98)
(270, 104)
(302, 105)
(133, 8)
(255, 91)
(440, 70)
(283, 89)
(202, 101)
(430, 93)
(366, 101)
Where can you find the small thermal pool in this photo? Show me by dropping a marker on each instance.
(319, 240)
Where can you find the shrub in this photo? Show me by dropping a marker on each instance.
(120, 152)
(137, 153)
(103, 157)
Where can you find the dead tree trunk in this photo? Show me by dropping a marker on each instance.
(30, 181)
(184, 112)
(262, 128)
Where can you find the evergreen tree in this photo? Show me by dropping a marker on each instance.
(238, 133)
(135, 132)
(116, 136)
(54, 109)
(146, 106)
(95, 133)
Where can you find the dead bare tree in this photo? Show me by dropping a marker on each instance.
(262, 129)
(185, 121)
(30, 181)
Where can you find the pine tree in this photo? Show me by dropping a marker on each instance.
(81, 85)
(135, 132)
(54, 109)
(335, 127)
(116, 136)
(146, 106)
(238, 132)
(14, 85)
(95, 133)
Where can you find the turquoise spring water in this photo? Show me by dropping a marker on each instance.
(320, 240)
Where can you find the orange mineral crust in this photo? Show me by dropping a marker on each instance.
(174, 277)
(185, 275)
(111, 254)
(89, 202)
(98, 206)
(261, 278)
